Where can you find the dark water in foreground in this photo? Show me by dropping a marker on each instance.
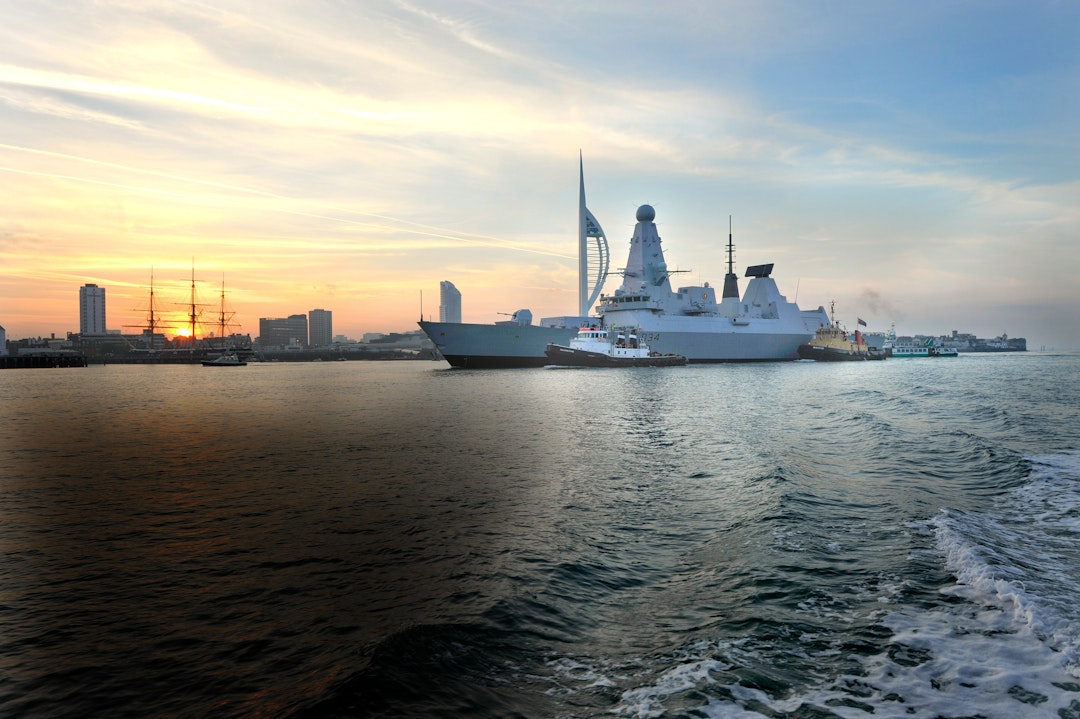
(889, 539)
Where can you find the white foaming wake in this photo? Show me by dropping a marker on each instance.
(1004, 641)
(1023, 558)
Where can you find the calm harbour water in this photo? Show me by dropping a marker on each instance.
(397, 539)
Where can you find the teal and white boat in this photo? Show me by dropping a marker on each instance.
(929, 348)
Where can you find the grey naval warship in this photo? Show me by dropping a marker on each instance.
(758, 327)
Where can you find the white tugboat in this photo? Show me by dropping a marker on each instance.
(594, 347)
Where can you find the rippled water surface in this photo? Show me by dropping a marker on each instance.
(396, 539)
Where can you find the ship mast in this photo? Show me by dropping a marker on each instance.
(193, 311)
(151, 321)
(192, 315)
(731, 282)
(221, 311)
(223, 316)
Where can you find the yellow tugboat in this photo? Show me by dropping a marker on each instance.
(832, 344)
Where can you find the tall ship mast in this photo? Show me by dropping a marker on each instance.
(154, 325)
(224, 323)
(193, 312)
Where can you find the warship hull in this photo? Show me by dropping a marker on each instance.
(494, 346)
(718, 339)
(477, 346)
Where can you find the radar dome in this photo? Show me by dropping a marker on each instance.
(646, 213)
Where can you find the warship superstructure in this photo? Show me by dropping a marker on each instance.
(759, 326)
(691, 321)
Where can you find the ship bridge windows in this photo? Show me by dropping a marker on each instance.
(627, 299)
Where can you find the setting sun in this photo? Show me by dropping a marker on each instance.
(183, 332)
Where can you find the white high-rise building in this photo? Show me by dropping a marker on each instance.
(91, 310)
(320, 328)
(449, 302)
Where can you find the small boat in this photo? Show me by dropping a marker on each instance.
(227, 359)
(594, 347)
(832, 344)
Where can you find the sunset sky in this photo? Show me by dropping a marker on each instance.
(917, 162)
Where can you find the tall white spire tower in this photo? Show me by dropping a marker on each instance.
(593, 258)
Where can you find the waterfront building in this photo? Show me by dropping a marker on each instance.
(320, 328)
(273, 332)
(413, 341)
(449, 302)
(967, 342)
(298, 329)
(283, 331)
(91, 310)
(3, 341)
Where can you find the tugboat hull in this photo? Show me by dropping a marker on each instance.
(570, 357)
(832, 354)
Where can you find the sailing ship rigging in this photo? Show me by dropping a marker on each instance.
(191, 334)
